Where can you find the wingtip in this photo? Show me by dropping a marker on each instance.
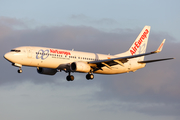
(160, 47)
(164, 41)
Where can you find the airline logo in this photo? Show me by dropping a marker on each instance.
(59, 52)
(138, 43)
(43, 54)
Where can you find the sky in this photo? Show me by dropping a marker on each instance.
(99, 26)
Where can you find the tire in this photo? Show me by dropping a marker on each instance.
(70, 78)
(19, 71)
(89, 76)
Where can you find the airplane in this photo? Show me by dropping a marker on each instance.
(49, 61)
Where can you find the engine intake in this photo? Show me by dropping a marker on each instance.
(80, 67)
(46, 71)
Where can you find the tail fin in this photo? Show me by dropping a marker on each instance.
(140, 44)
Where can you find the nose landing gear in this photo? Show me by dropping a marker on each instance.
(18, 65)
(20, 70)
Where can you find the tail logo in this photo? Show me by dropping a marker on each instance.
(138, 43)
(141, 49)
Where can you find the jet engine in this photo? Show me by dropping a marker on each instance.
(46, 71)
(80, 67)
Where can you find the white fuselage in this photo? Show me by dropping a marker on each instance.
(61, 59)
(49, 60)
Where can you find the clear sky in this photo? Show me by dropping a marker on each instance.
(100, 26)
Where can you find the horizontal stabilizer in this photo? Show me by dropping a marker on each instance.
(149, 61)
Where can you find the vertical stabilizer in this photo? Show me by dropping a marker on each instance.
(140, 44)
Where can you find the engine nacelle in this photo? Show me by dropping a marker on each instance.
(46, 71)
(80, 67)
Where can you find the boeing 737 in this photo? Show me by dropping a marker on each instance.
(49, 61)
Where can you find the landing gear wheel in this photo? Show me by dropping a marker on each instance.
(20, 71)
(70, 78)
(89, 76)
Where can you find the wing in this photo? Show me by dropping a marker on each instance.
(97, 65)
(114, 61)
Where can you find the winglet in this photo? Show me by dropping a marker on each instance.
(160, 47)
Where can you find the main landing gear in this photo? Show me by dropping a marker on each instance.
(70, 77)
(89, 76)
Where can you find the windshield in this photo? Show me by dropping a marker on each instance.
(15, 50)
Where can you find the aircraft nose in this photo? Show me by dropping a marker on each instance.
(7, 56)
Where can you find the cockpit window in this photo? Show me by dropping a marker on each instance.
(15, 50)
